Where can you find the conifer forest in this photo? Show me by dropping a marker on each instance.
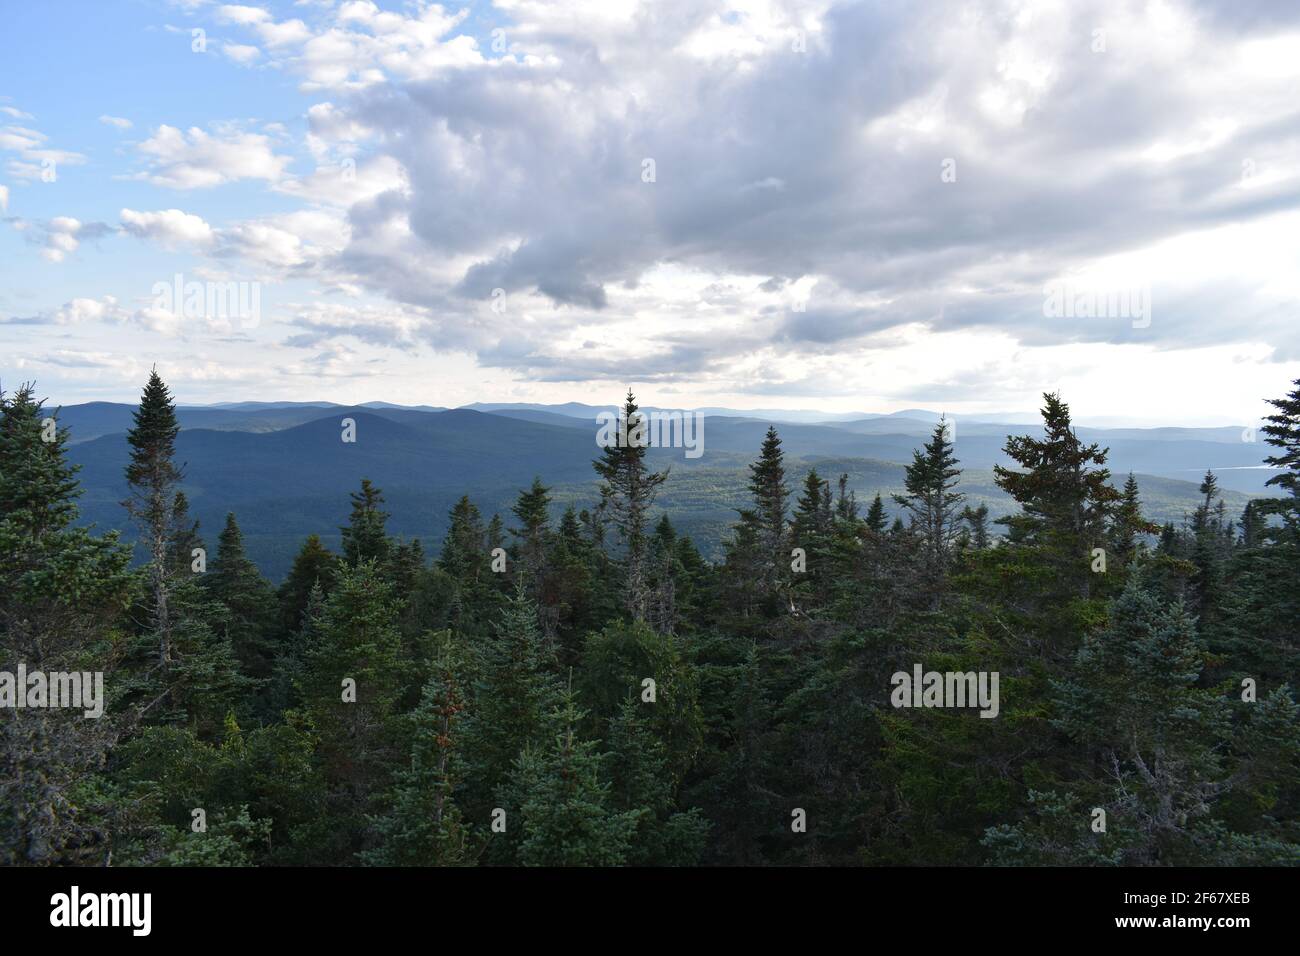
(583, 688)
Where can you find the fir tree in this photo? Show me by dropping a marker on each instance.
(313, 567)
(563, 799)
(464, 549)
(153, 477)
(245, 602)
(627, 490)
(767, 490)
(846, 502)
(1253, 526)
(642, 781)
(352, 680)
(1283, 433)
(514, 689)
(876, 519)
(1066, 503)
(532, 509)
(423, 826)
(364, 537)
(931, 501)
(977, 525)
(811, 530)
(64, 596)
(1127, 526)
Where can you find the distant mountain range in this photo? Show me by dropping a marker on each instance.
(284, 470)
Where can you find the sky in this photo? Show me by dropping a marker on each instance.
(861, 206)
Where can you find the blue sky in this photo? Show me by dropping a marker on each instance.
(802, 203)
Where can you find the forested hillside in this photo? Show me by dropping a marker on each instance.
(284, 472)
(574, 683)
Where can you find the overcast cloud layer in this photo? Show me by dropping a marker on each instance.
(808, 204)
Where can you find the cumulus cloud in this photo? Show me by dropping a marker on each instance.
(196, 159)
(936, 166)
(117, 122)
(36, 159)
(74, 312)
(169, 227)
(241, 53)
(59, 237)
(359, 45)
(762, 192)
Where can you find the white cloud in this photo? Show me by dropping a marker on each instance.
(241, 53)
(37, 160)
(247, 16)
(78, 311)
(293, 241)
(116, 121)
(168, 227)
(61, 239)
(799, 148)
(199, 160)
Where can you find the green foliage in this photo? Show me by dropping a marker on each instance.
(616, 698)
(566, 814)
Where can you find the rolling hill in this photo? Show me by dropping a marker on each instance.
(285, 472)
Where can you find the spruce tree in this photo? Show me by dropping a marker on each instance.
(569, 587)
(1212, 539)
(931, 501)
(1253, 526)
(810, 530)
(464, 549)
(313, 566)
(245, 602)
(1066, 502)
(768, 491)
(185, 538)
(627, 490)
(153, 477)
(364, 537)
(422, 825)
(977, 524)
(1128, 527)
(352, 679)
(64, 594)
(642, 781)
(663, 574)
(1134, 700)
(515, 687)
(876, 519)
(1283, 433)
(532, 509)
(846, 502)
(567, 815)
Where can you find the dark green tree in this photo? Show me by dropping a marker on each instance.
(1067, 502)
(364, 536)
(244, 601)
(64, 594)
(627, 490)
(153, 478)
(566, 812)
(931, 501)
